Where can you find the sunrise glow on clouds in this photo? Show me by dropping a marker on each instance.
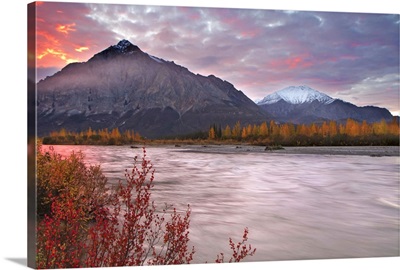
(350, 56)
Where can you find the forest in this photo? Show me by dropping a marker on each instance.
(327, 133)
(93, 137)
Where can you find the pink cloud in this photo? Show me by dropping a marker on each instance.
(289, 63)
(255, 50)
(66, 34)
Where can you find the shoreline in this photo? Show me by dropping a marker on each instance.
(373, 151)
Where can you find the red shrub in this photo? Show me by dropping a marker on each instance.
(82, 227)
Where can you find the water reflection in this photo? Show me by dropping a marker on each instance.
(296, 206)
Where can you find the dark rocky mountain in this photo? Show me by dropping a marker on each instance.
(127, 88)
(302, 104)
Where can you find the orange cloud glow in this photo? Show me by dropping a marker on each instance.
(40, 56)
(56, 55)
(48, 37)
(64, 35)
(81, 49)
(66, 28)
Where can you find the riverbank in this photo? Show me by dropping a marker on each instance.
(374, 151)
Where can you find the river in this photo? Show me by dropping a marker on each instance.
(296, 206)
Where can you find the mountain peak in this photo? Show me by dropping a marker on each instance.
(125, 46)
(122, 47)
(296, 95)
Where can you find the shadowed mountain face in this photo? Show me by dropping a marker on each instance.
(302, 104)
(127, 88)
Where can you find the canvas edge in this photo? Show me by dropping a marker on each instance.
(31, 136)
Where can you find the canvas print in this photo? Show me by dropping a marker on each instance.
(163, 135)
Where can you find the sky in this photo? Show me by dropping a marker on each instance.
(351, 56)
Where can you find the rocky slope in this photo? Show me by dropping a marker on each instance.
(124, 87)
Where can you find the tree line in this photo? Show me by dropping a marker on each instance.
(349, 132)
(93, 137)
(329, 133)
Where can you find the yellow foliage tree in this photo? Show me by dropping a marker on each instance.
(249, 130)
(226, 132)
(380, 128)
(325, 129)
(255, 130)
(263, 129)
(244, 133)
(211, 133)
(365, 129)
(352, 128)
(333, 130)
(236, 131)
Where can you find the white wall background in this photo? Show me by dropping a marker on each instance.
(13, 128)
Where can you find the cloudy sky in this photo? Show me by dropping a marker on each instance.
(352, 56)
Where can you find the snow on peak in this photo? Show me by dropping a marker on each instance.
(158, 60)
(296, 95)
(125, 46)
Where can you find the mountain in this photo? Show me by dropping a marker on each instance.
(302, 104)
(296, 95)
(124, 87)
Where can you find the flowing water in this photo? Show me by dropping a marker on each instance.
(295, 206)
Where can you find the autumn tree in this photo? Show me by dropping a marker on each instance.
(287, 131)
(365, 128)
(352, 128)
(226, 132)
(236, 131)
(325, 129)
(302, 130)
(380, 128)
(115, 134)
(333, 129)
(244, 133)
(393, 127)
(342, 129)
(274, 128)
(255, 131)
(89, 132)
(263, 129)
(249, 130)
(211, 133)
(313, 130)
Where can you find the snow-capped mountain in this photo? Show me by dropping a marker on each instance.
(296, 95)
(302, 104)
(125, 46)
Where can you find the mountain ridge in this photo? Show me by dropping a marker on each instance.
(302, 104)
(124, 87)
